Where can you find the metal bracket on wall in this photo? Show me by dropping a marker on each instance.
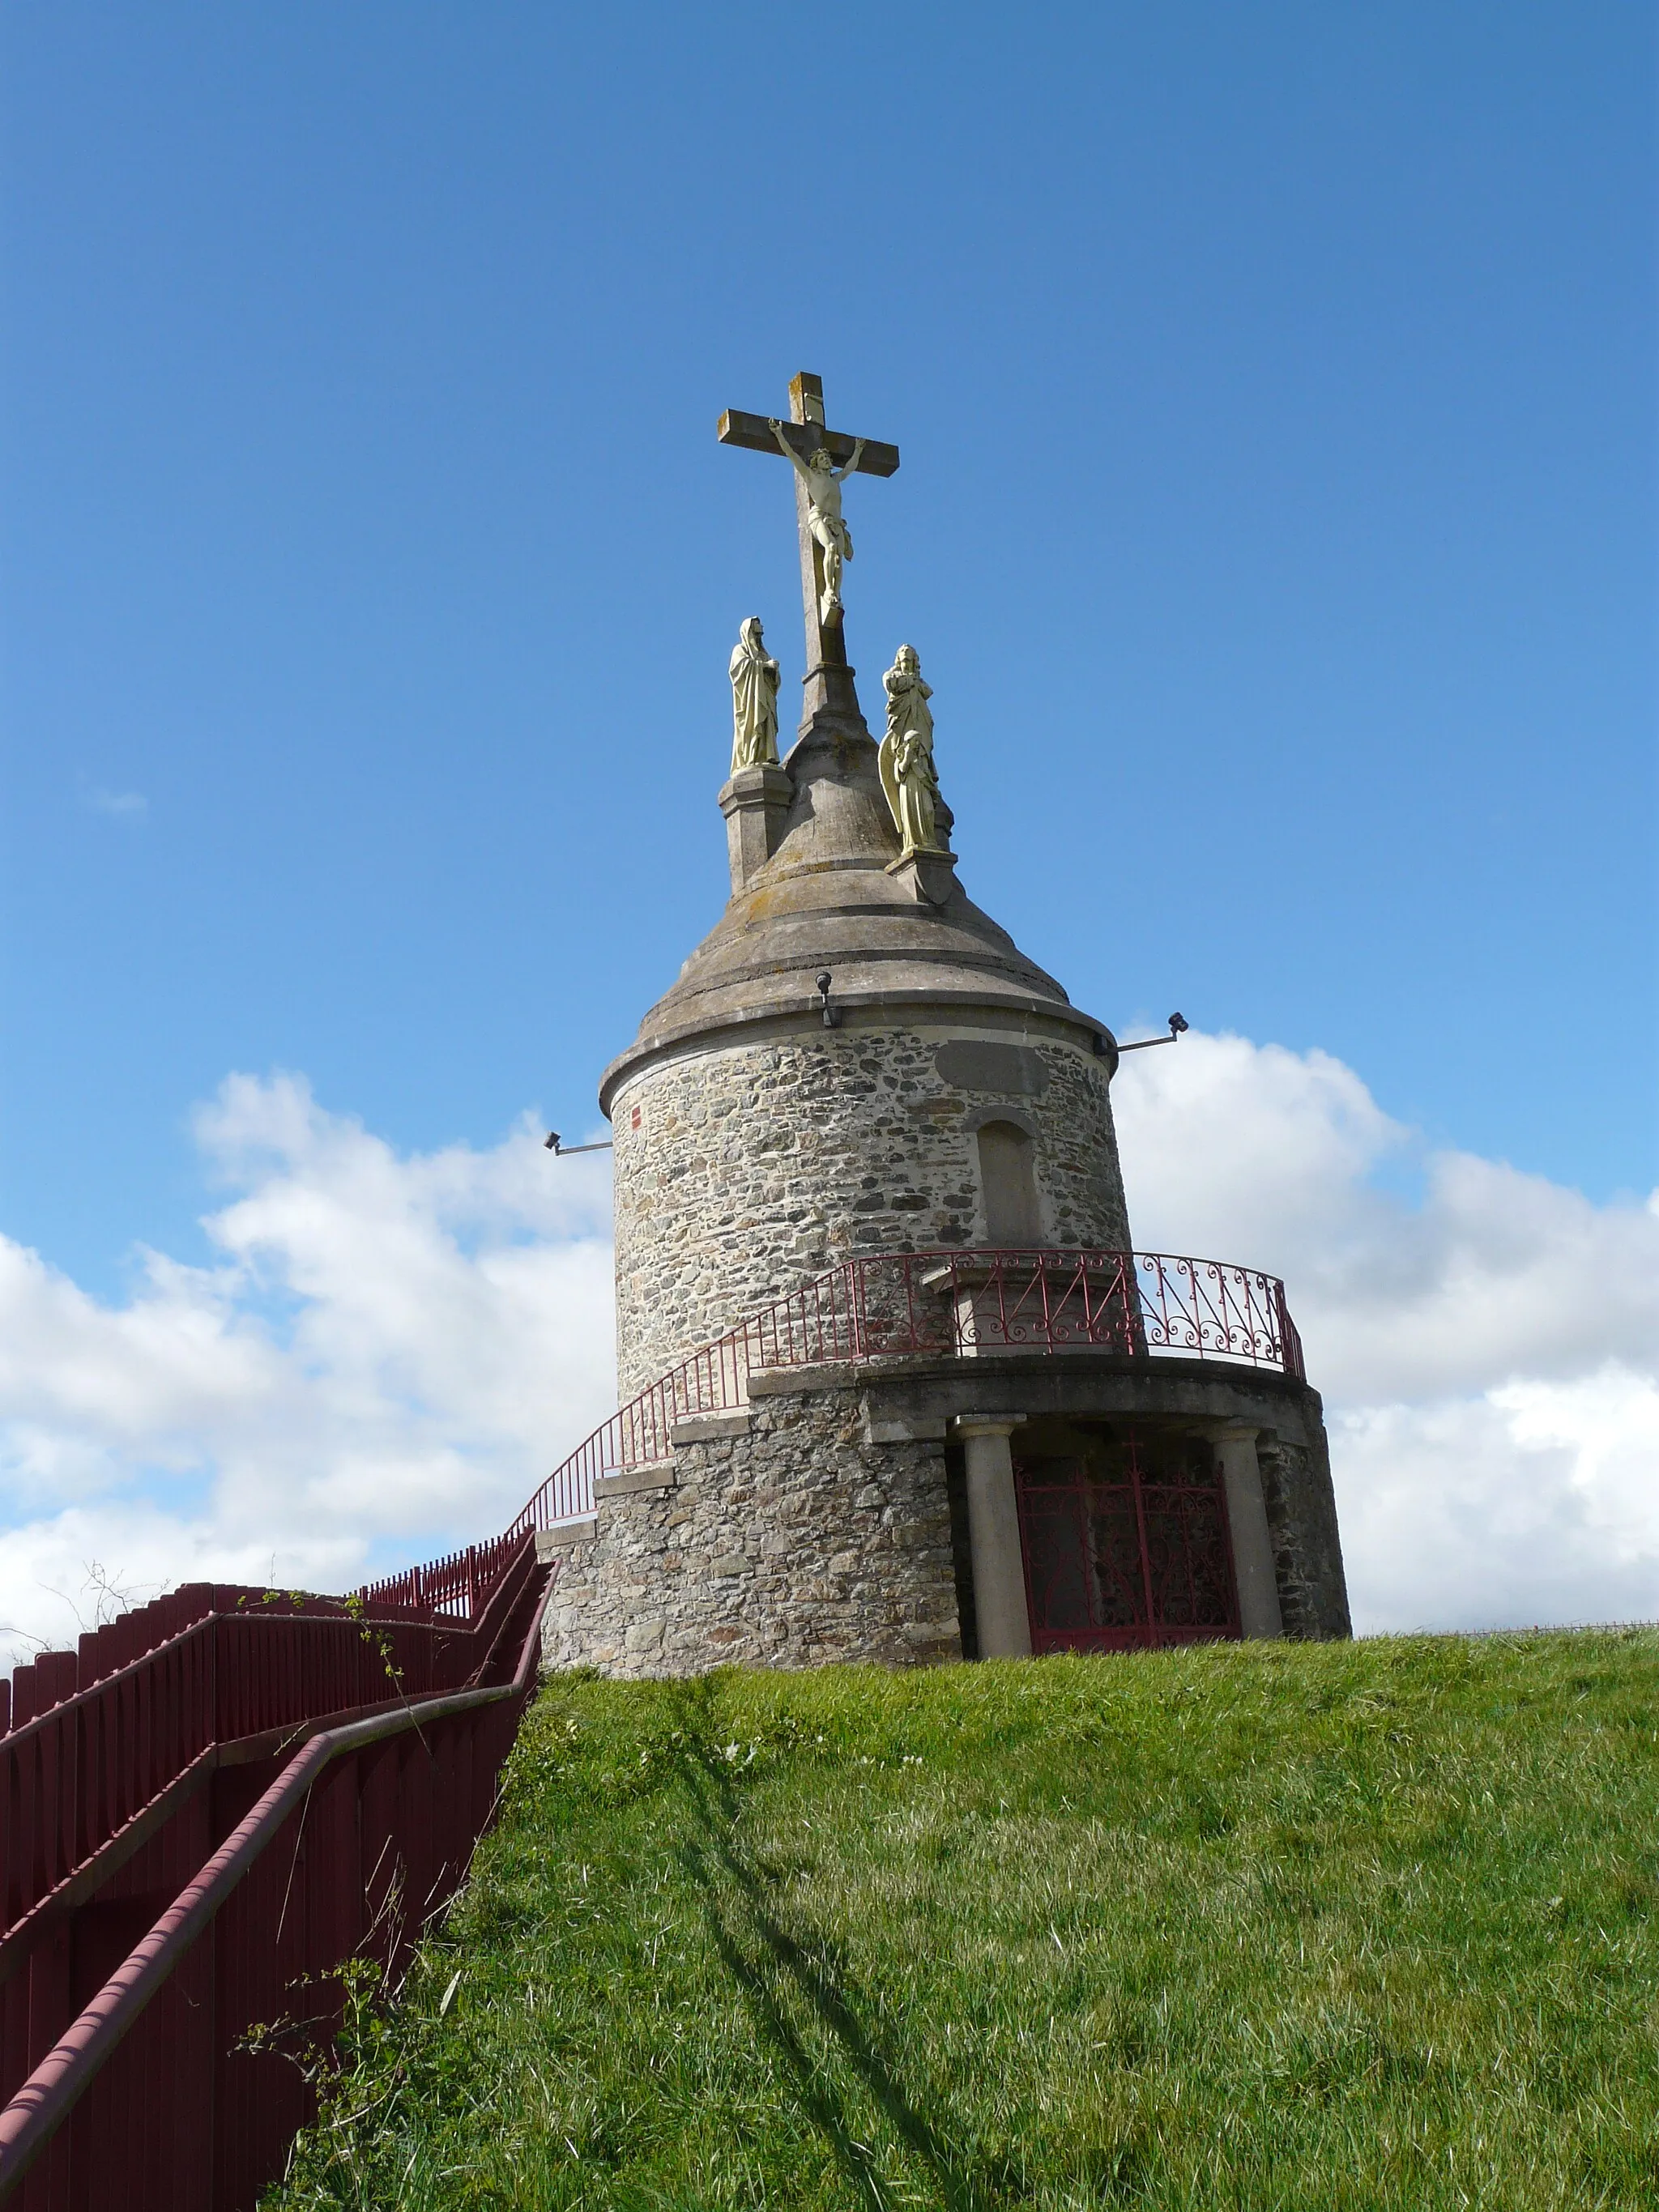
(1177, 1023)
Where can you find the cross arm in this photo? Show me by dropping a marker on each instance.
(755, 431)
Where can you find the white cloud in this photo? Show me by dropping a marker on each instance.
(386, 1354)
(1534, 1501)
(386, 1357)
(123, 805)
(1489, 1355)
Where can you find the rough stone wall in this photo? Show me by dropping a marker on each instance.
(794, 1544)
(1296, 1488)
(818, 1527)
(754, 1167)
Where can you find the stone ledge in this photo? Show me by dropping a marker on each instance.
(765, 784)
(703, 1428)
(550, 1542)
(903, 1429)
(730, 1021)
(654, 1474)
(800, 1382)
(1088, 1382)
(930, 877)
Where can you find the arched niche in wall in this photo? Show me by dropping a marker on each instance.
(1007, 1182)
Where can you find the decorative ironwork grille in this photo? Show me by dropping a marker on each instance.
(950, 1304)
(1128, 1550)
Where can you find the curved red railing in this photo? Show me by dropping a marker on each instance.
(945, 1304)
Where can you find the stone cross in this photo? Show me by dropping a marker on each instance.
(802, 436)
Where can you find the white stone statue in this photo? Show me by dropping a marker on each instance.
(825, 520)
(907, 756)
(754, 701)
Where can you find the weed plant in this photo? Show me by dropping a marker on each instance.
(1260, 1927)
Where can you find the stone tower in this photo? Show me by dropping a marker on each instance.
(860, 1082)
(960, 1099)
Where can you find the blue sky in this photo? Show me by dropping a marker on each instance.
(1275, 524)
(1274, 386)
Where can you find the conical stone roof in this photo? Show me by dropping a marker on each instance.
(826, 900)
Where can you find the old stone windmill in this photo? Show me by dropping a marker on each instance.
(898, 1386)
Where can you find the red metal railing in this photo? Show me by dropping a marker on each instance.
(149, 1776)
(950, 1304)
(453, 1588)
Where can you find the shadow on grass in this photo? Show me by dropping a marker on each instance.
(769, 1963)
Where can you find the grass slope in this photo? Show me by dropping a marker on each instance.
(1272, 1926)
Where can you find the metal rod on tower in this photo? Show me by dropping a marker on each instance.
(1177, 1023)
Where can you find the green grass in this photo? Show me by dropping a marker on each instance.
(1314, 1926)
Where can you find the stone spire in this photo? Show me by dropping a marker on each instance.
(855, 1045)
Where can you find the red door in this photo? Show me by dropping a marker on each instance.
(1127, 1549)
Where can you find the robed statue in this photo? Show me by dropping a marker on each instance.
(822, 480)
(754, 701)
(907, 759)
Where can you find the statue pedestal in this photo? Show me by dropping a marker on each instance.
(754, 803)
(929, 877)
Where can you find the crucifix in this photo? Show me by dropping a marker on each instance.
(820, 459)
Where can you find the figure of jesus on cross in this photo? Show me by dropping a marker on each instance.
(821, 459)
(825, 518)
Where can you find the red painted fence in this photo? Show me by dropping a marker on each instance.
(212, 1803)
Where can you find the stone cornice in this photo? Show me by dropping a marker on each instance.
(1014, 1016)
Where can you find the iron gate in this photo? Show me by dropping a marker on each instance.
(1128, 1548)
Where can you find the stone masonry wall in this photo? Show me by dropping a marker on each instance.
(743, 1172)
(1296, 1488)
(793, 1542)
(817, 1527)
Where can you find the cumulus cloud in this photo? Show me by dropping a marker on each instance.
(384, 1358)
(1488, 1352)
(1533, 1502)
(387, 1353)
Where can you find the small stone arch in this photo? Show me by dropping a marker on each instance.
(1008, 1183)
(979, 1116)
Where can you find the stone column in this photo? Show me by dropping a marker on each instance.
(1000, 1608)
(1254, 1569)
(754, 802)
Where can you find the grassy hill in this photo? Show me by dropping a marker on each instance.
(1256, 1927)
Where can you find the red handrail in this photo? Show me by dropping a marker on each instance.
(39, 2108)
(137, 1782)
